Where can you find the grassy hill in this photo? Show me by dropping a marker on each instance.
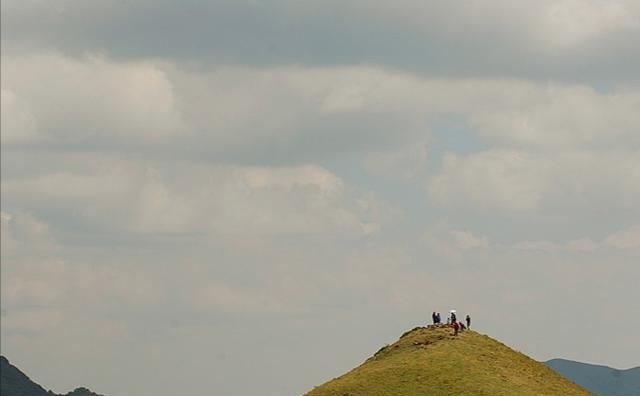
(431, 361)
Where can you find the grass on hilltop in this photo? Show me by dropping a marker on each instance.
(431, 361)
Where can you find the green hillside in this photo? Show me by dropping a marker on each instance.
(432, 362)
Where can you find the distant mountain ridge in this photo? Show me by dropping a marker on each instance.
(14, 382)
(599, 380)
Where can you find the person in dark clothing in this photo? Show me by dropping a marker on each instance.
(453, 317)
(434, 318)
(438, 318)
(468, 322)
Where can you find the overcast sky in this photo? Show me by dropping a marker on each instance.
(246, 197)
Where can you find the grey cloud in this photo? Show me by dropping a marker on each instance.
(457, 39)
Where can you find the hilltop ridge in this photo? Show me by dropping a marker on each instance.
(432, 361)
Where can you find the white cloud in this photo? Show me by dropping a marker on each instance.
(542, 246)
(300, 111)
(502, 180)
(573, 22)
(524, 181)
(582, 245)
(66, 100)
(466, 240)
(148, 197)
(625, 239)
(556, 117)
(18, 124)
(23, 230)
(446, 242)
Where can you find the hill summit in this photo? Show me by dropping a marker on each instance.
(433, 361)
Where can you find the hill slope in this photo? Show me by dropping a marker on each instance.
(600, 380)
(431, 361)
(14, 382)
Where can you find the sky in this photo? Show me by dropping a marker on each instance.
(245, 197)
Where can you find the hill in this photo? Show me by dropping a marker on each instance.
(600, 380)
(14, 382)
(432, 361)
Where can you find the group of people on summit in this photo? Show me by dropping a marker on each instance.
(452, 321)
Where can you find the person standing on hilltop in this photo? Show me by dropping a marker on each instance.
(468, 321)
(434, 318)
(453, 316)
(438, 318)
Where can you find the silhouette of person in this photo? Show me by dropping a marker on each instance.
(468, 322)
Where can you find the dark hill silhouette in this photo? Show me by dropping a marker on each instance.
(432, 361)
(14, 382)
(599, 380)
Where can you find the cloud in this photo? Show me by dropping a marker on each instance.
(554, 117)
(291, 115)
(18, 123)
(61, 100)
(570, 23)
(23, 230)
(574, 40)
(625, 239)
(521, 181)
(495, 179)
(466, 240)
(155, 198)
